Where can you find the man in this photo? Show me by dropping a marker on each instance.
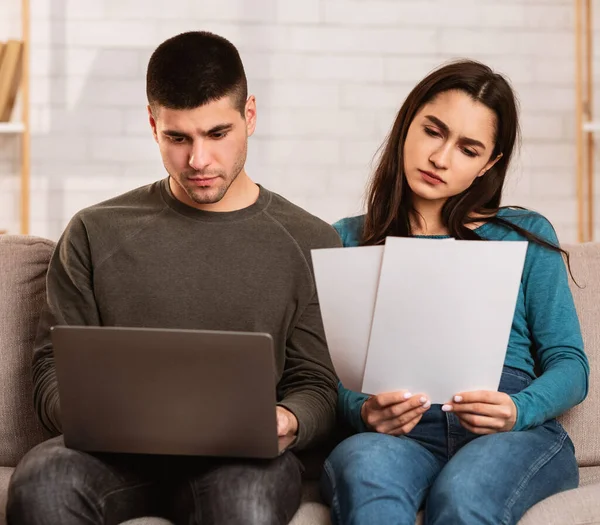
(206, 248)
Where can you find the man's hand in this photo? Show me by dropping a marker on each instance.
(287, 424)
(394, 413)
(484, 411)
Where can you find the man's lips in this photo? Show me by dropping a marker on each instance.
(202, 181)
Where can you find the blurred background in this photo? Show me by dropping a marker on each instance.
(328, 75)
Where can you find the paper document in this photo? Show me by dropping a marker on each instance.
(443, 316)
(347, 287)
(419, 315)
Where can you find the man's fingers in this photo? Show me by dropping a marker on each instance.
(286, 422)
(282, 424)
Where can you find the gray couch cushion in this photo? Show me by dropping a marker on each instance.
(589, 476)
(23, 264)
(5, 474)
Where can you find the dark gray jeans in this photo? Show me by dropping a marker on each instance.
(55, 485)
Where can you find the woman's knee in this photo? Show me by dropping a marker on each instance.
(454, 494)
(497, 478)
(361, 454)
(377, 478)
(373, 458)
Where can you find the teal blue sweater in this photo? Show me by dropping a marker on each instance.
(545, 327)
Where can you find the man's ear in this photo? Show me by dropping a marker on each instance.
(152, 121)
(490, 164)
(250, 114)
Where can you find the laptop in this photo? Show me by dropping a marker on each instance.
(165, 391)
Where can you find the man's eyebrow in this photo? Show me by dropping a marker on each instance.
(173, 133)
(446, 129)
(219, 128)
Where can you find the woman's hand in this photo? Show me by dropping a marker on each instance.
(484, 411)
(394, 413)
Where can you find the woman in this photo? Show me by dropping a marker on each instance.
(483, 457)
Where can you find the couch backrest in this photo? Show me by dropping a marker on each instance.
(583, 421)
(23, 264)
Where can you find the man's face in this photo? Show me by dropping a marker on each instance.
(203, 149)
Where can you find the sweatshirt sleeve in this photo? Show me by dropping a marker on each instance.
(308, 385)
(556, 335)
(69, 301)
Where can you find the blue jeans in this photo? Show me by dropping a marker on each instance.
(458, 477)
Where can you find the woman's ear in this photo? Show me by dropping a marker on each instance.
(490, 164)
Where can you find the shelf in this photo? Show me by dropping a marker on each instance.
(21, 127)
(593, 125)
(12, 127)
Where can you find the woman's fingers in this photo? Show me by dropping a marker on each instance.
(404, 424)
(495, 411)
(396, 416)
(474, 420)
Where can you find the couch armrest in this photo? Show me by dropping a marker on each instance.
(581, 505)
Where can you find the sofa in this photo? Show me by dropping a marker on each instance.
(23, 264)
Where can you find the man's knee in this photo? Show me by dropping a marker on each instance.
(265, 494)
(259, 509)
(48, 463)
(45, 476)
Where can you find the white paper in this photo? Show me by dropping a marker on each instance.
(347, 287)
(443, 316)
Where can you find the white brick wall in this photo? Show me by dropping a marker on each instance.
(329, 76)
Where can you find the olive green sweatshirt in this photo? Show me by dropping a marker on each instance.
(145, 259)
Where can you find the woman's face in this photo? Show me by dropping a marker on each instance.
(448, 145)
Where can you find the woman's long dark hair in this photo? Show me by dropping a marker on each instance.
(389, 205)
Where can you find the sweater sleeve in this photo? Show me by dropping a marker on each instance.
(69, 301)
(556, 335)
(348, 406)
(308, 385)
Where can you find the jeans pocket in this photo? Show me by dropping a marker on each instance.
(554, 426)
(513, 381)
(327, 483)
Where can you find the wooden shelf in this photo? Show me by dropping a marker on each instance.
(21, 127)
(11, 127)
(586, 125)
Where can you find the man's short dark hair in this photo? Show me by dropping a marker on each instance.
(193, 69)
